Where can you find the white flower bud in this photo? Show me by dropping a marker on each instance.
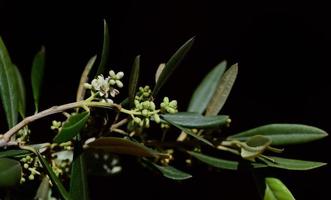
(119, 75)
(112, 73)
(119, 83)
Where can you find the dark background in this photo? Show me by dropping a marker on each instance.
(283, 53)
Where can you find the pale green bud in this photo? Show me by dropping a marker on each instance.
(31, 177)
(157, 118)
(147, 124)
(166, 100)
(137, 120)
(173, 103)
(144, 112)
(26, 165)
(112, 82)
(152, 106)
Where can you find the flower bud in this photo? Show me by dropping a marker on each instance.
(119, 75)
(157, 118)
(119, 83)
(112, 73)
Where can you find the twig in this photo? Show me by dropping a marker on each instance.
(5, 138)
(118, 124)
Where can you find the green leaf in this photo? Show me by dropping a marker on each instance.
(188, 131)
(204, 92)
(78, 181)
(121, 146)
(195, 120)
(10, 172)
(254, 147)
(283, 134)
(55, 180)
(13, 153)
(8, 91)
(21, 95)
(215, 162)
(220, 163)
(276, 190)
(291, 164)
(171, 65)
(84, 78)
(172, 173)
(72, 127)
(105, 49)
(37, 74)
(222, 91)
(134, 77)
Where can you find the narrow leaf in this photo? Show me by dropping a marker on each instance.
(172, 173)
(195, 120)
(43, 189)
(8, 91)
(134, 77)
(72, 127)
(10, 172)
(21, 95)
(215, 162)
(105, 49)
(121, 146)
(283, 134)
(220, 163)
(159, 71)
(204, 92)
(291, 164)
(37, 74)
(276, 190)
(78, 181)
(13, 153)
(171, 65)
(188, 131)
(55, 180)
(222, 91)
(84, 79)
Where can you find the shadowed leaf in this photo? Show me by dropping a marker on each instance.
(105, 49)
(37, 74)
(204, 92)
(10, 172)
(188, 131)
(172, 173)
(121, 146)
(55, 180)
(84, 78)
(171, 65)
(8, 90)
(134, 77)
(21, 95)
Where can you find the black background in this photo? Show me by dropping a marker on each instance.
(282, 50)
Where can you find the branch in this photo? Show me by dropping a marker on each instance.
(5, 138)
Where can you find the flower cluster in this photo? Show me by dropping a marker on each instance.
(30, 168)
(145, 109)
(102, 87)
